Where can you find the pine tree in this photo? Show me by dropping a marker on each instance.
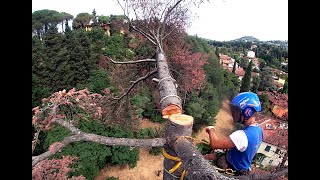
(245, 84)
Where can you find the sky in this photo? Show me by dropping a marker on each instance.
(220, 20)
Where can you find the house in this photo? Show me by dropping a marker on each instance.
(279, 83)
(278, 104)
(251, 54)
(240, 72)
(105, 26)
(225, 61)
(275, 144)
(255, 63)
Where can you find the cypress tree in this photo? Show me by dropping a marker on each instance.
(245, 84)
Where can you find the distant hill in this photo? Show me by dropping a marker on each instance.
(247, 39)
(252, 39)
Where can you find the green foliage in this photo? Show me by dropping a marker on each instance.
(199, 44)
(103, 19)
(230, 85)
(117, 48)
(246, 81)
(37, 92)
(264, 102)
(43, 19)
(81, 20)
(266, 82)
(61, 61)
(93, 156)
(146, 106)
(204, 107)
(155, 151)
(112, 178)
(123, 155)
(244, 62)
(139, 101)
(234, 67)
(57, 134)
(204, 148)
(255, 83)
(98, 81)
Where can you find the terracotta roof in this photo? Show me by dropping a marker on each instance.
(276, 98)
(255, 170)
(240, 72)
(275, 131)
(224, 57)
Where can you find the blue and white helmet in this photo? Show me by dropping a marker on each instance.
(245, 104)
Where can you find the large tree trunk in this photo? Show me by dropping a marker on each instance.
(170, 102)
(178, 126)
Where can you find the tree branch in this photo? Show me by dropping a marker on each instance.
(67, 125)
(126, 14)
(132, 62)
(272, 175)
(167, 15)
(147, 35)
(135, 82)
(82, 136)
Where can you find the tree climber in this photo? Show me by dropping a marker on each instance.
(242, 144)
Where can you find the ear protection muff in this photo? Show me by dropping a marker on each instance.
(248, 112)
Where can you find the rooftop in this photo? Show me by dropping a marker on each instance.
(275, 131)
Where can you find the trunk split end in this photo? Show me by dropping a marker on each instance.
(171, 110)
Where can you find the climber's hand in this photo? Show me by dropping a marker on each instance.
(208, 128)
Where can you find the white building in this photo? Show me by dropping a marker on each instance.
(251, 54)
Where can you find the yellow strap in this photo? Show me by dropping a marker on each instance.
(182, 175)
(168, 156)
(175, 167)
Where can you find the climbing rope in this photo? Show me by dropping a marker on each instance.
(228, 171)
(178, 164)
(174, 158)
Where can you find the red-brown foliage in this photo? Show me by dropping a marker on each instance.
(54, 169)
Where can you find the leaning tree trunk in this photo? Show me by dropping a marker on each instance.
(178, 128)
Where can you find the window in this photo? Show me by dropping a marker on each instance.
(277, 151)
(267, 148)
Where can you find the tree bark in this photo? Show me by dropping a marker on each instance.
(176, 126)
(89, 137)
(167, 86)
(193, 162)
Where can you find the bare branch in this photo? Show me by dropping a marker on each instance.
(35, 141)
(167, 15)
(135, 82)
(166, 35)
(147, 35)
(67, 125)
(132, 62)
(82, 136)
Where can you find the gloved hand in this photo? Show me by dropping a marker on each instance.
(208, 128)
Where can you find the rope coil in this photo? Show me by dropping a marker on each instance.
(166, 78)
(178, 164)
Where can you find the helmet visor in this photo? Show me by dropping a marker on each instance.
(236, 113)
